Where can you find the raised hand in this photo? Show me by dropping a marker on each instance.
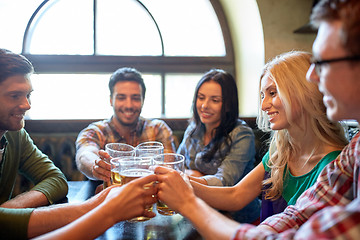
(102, 168)
(174, 189)
(132, 199)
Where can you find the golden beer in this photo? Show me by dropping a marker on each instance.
(163, 209)
(131, 174)
(169, 160)
(117, 150)
(127, 176)
(115, 177)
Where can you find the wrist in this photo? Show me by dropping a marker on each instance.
(107, 209)
(199, 180)
(190, 206)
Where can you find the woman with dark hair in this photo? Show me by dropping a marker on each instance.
(303, 142)
(219, 148)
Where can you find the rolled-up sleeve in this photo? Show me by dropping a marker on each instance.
(165, 136)
(37, 167)
(14, 223)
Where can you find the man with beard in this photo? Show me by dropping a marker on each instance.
(18, 154)
(127, 93)
(330, 209)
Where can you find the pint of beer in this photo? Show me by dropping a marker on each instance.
(174, 161)
(117, 150)
(128, 169)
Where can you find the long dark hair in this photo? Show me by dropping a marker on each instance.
(229, 110)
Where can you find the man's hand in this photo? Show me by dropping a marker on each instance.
(102, 168)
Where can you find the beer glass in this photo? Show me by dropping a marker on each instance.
(130, 168)
(119, 150)
(151, 148)
(116, 150)
(174, 161)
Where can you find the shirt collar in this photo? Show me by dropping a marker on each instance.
(199, 132)
(3, 142)
(137, 130)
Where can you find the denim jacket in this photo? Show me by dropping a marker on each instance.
(239, 157)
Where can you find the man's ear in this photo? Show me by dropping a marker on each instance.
(111, 101)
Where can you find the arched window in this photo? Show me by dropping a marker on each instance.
(76, 45)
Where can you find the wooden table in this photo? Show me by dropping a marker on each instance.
(161, 227)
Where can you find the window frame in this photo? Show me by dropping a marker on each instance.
(146, 64)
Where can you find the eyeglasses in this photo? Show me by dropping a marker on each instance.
(319, 63)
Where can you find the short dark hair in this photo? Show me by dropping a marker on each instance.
(346, 11)
(126, 74)
(12, 64)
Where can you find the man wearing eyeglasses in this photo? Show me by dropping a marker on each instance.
(331, 208)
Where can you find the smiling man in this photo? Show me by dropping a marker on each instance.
(18, 154)
(127, 94)
(330, 209)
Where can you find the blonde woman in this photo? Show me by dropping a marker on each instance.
(303, 141)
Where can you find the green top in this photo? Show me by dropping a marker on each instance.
(22, 156)
(14, 222)
(294, 186)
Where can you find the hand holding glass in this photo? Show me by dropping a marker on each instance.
(130, 168)
(116, 150)
(176, 162)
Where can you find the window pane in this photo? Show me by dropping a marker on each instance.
(12, 25)
(152, 104)
(65, 28)
(70, 96)
(179, 92)
(125, 28)
(83, 96)
(188, 27)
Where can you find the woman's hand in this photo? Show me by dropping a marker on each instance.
(97, 199)
(199, 180)
(174, 189)
(102, 168)
(131, 200)
(193, 173)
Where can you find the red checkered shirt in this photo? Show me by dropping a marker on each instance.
(100, 133)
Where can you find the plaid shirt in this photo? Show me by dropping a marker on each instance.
(100, 133)
(328, 210)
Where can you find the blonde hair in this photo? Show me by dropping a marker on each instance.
(288, 71)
